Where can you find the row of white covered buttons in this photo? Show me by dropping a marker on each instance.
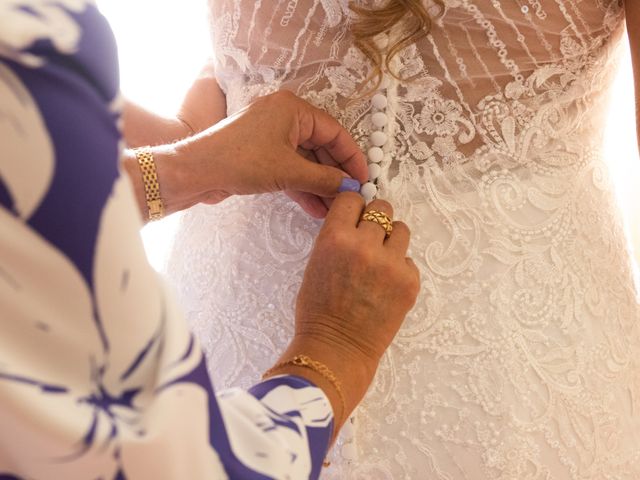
(369, 190)
(377, 140)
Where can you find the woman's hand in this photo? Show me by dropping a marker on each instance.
(255, 151)
(358, 288)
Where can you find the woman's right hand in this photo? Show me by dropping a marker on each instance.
(358, 288)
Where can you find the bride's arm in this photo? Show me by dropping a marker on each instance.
(254, 151)
(203, 106)
(205, 103)
(633, 28)
(143, 127)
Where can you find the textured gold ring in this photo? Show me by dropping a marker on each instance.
(380, 218)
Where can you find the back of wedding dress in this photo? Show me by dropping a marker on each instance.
(521, 359)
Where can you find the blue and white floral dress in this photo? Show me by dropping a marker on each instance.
(99, 376)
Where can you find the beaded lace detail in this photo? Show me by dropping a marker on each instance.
(521, 357)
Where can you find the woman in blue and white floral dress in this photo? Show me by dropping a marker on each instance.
(99, 376)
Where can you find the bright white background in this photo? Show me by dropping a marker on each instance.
(164, 43)
(162, 46)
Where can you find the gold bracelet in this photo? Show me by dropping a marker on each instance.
(307, 362)
(150, 181)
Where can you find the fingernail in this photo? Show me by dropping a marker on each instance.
(349, 185)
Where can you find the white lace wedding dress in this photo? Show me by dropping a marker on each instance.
(521, 359)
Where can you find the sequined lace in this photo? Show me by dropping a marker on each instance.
(520, 359)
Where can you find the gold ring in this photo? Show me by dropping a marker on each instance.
(380, 218)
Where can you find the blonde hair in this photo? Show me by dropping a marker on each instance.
(371, 22)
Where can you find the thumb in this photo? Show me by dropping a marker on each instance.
(303, 175)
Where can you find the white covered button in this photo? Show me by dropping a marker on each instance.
(374, 171)
(375, 154)
(434, 11)
(378, 139)
(379, 119)
(349, 452)
(348, 430)
(368, 191)
(379, 101)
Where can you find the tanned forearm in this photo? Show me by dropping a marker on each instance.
(203, 106)
(142, 127)
(205, 103)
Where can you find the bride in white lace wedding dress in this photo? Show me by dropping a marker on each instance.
(521, 359)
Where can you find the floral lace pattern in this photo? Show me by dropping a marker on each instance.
(520, 359)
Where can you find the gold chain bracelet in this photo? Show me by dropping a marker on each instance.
(305, 361)
(150, 181)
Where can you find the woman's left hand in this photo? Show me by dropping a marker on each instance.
(255, 151)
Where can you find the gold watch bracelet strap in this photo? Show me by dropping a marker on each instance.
(150, 182)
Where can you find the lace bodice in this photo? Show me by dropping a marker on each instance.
(520, 359)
